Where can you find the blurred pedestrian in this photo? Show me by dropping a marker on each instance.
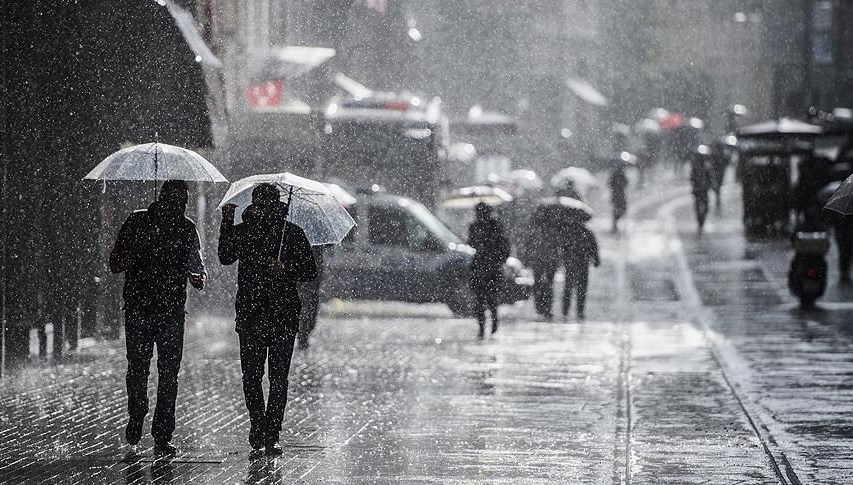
(843, 233)
(543, 257)
(158, 249)
(274, 257)
(719, 163)
(579, 248)
(700, 182)
(486, 236)
(309, 295)
(618, 182)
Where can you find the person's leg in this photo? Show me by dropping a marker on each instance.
(539, 290)
(253, 354)
(170, 347)
(280, 354)
(568, 287)
(480, 308)
(582, 281)
(139, 339)
(548, 293)
(492, 300)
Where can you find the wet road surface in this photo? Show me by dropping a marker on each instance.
(692, 367)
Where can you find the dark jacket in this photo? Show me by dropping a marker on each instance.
(265, 295)
(492, 246)
(157, 250)
(578, 246)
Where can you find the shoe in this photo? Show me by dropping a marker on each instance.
(165, 449)
(581, 316)
(274, 450)
(133, 431)
(494, 327)
(256, 452)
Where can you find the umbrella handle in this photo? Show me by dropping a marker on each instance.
(283, 226)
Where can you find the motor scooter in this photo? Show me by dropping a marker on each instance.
(807, 274)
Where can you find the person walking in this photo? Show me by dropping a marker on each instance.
(542, 255)
(618, 182)
(579, 248)
(158, 250)
(700, 183)
(486, 236)
(274, 256)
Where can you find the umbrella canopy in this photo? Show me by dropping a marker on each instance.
(156, 161)
(586, 91)
(840, 205)
(313, 206)
(580, 177)
(524, 179)
(469, 197)
(826, 192)
(559, 209)
(781, 128)
(341, 194)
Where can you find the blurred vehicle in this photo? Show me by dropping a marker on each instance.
(398, 135)
(401, 251)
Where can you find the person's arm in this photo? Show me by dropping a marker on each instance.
(123, 248)
(197, 271)
(227, 249)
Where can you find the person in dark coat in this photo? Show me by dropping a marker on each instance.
(309, 295)
(700, 183)
(486, 236)
(274, 256)
(618, 182)
(719, 163)
(543, 257)
(158, 249)
(579, 248)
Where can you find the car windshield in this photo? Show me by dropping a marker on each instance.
(435, 226)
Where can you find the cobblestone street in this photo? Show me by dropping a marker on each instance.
(675, 377)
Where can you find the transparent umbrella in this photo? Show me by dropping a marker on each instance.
(312, 205)
(156, 161)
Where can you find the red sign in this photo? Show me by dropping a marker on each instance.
(268, 93)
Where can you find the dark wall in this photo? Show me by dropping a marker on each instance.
(79, 79)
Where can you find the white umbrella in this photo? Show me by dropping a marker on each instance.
(156, 161)
(580, 177)
(313, 206)
(469, 197)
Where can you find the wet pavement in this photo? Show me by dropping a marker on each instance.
(693, 366)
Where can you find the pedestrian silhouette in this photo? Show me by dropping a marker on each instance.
(578, 248)
(274, 256)
(158, 249)
(618, 182)
(700, 183)
(543, 257)
(486, 236)
(309, 295)
(719, 163)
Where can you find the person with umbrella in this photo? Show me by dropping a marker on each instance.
(486, 236)
(578, 248)
(157, 249)
(274, 255)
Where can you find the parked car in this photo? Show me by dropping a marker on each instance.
(400, 251)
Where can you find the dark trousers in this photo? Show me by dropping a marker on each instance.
(844, 240)
(485, 288)
(142, 332)
(543, 289)
(266, 416)
(577, 278)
